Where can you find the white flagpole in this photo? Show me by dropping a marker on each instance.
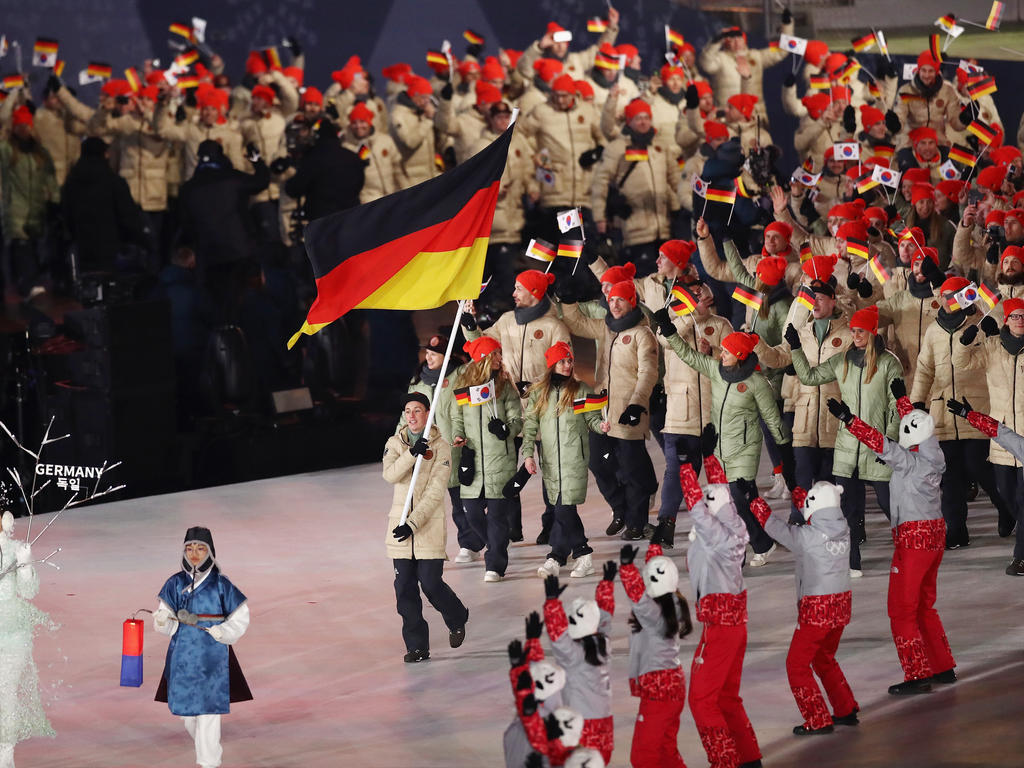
(433, 407)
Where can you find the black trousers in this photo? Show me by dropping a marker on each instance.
(468, 537)
(1010, 481)
(812, 464)
(567, 534)
(626, 479)
(852, 502)
(743, 492)
(966, 460)
(411, 575)
(489, 518)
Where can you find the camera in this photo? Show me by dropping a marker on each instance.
(298, 221)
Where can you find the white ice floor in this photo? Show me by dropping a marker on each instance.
(323, 654)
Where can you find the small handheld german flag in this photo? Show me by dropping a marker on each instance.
(952, 305)
(181, 30)
(13, 81)
(99, 69)
(983, 87)
(58, 68)
(721, 195)
(883, 149)
(596, 24)
(806, 298)
(674, 38)
(636, 154)
(995, 15)
(541, 250)
(684, 302)
(752, 299)
(985, 133)
(272, 57)
(865, 182)
(571, 249)
(436, 58)
(874, 90)
(935, 46)
(861, 44)
(857, 247)
(364, 152)
(472, 37)
(590, 403)
(879, 270)
(185, 82)
(438, 161)
(606, 61)
(44, 52)
(132, 76)
(962, 155)
(805, 252)
(990, 296)
(186, 58)
(820, 82)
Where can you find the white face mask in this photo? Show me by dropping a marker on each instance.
(823, 495)
(916, 427)
(584, 616)
(661, 576)
(548, 679)
(571, 724)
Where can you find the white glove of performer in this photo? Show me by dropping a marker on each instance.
(161, 617)
(186, 617)
(216, 632)
(24, 553)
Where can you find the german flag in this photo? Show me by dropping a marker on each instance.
(866, 182)
(962, 155)
(720, 195)
(418, 248)
(187, 59)
(541, 250)
(874, 90)
(590, 403)
(752, 299)
(985, 133)
(989, 296)
(773, 46)
(687, 301)
(947, 22)
(436, 58)
(44, 52)
(881, 273)
(908, 97)
(820, 82)
(983, 87)
(846, 73)
(994, 16)
(461, 396)
(596, 24)
(364, 152)
(884, 150)
(863, 43)
(188, 81)
(952, 305)
(273, 57)
(805, 252)
(132, 76)
(58, 68)
(472, 37)
(806, 298)
(675, 38)
(857, 247)
(181, 30)
(439, 161)
(13, 81)
(99, 69)
(605, 61)
(571, 249)
(636, 154)
(935, 46)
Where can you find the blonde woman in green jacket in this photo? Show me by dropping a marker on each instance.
(864, 373)
(488, 433)
(552, 420)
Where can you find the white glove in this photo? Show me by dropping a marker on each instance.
(216, 632)
(24, 553)
(161, 617)
(187, 617)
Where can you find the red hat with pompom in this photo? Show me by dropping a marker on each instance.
(535, 281)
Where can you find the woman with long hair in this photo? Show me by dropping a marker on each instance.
(486, 419)
(864, 373)
(552, 420)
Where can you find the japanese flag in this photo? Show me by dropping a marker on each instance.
(569, 219)
(794, 45)
(887, 177)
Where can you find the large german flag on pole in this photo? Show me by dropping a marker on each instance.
(415, 249)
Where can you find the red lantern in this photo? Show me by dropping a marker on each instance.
(131, 652)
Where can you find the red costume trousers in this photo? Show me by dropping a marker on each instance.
(715, 702)
(916, 628)
(813, 652)
(655, 734)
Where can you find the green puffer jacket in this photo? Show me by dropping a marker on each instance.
(28, 183)
(739, 398)
(871, 401)
(495, 459)
(565, 445)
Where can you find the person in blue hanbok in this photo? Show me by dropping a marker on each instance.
(204, 614)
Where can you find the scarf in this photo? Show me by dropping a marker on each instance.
(639, 139)
(558, 380)
(922, 290)
(672, 98)
(430, 375)
(927, 91)
(526, 315)
(951, 321)
(739, 372)
(1012, 344)
(627, 321)
(856, 356)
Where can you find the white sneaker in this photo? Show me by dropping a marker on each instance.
(492, 576)
(584, 567)
(466, 556)
(550, 568)
(778, 489)
(856, 573)
(762, 559)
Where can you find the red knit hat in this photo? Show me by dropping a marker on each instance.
(396, 72)
(627, 50)
(920, 253)
(853, 228)
(703, 88)
(492, 70)
(1005, 155)
(624, 290)
(487, 93)
(677, 251)
(116, 87)
(546, 69)
(816, 104)
(417, 86)
(833, 62)
(869, 116)
(744, 102)
(921, 192)
(467, 67)
(668, 71)
(840, 93)
(715, 130)
(1011, 252)
(556, 352)
(155, 77)
(784, 229)
(848, 211)
(637, 107)
(1012, 305)
(877, 214)
(740, 344)
(820, 267)
(771, 270)
(866, 319)
(954, 284)
(312, 95)
(992, 178)
(535, 281)
(264, 92)
(584, 89)
(925, 59)
(951, 188)
(295, 73)
(923, 132)
(22, 116)
(1015, 213)
(617, 274)
(554, 26)
(815, 52)
(254, 65)
(995, 217)
(564, 83)
(481, 347)
(361, 112)
(150, 92)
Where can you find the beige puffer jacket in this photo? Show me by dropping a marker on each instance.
(1005, 376)
(910, 318)
(141, 156)
(936, 381)
(687, 391)
(413, 133)
(61, 135)
(516, 179)
(650, 189)
(627, 368)
(267, 133)
(576, 63)
(940, 111)
(344, 100)
(427, 516)
(563, 136)
(193, 132)
(720, 67)
(380, 177)
(523, 346)
(462, 126)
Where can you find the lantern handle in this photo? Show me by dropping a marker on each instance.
(141, 610)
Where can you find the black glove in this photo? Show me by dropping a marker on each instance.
(789, 81)
(535, 760)
(523, 387)
(447, 91)
(529, 704)
(969, 335)
(179, 114)
(402, 532)
(498, 428)
(708, 440)
(852, 281)
(474, 50)
(840, 410)
(992, 254)
(660, 535)
(554, 730)
(449, 157)
(252, 153)
(966, 115)
(792, 337)
(419, 448)
(467, 321)
(790, 370)
(850, 119)
(331, 110)
(865, 290)
(516, 653)
(516, 483)
(280, 165)
(931, 271)
(959, 408)
(891, 212)
(898, 387)
(627, 554)
(787, 16)
(920, 405)
(631, 416)
(467, 466)
(293, 44)
(53, 84)
(610, 569)
(886, 68)
(664, 321)
(533, 626)
(591, 156)
(892, 122)
(989, 325)
(551, 588)
(692, 97)
(524, 682)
